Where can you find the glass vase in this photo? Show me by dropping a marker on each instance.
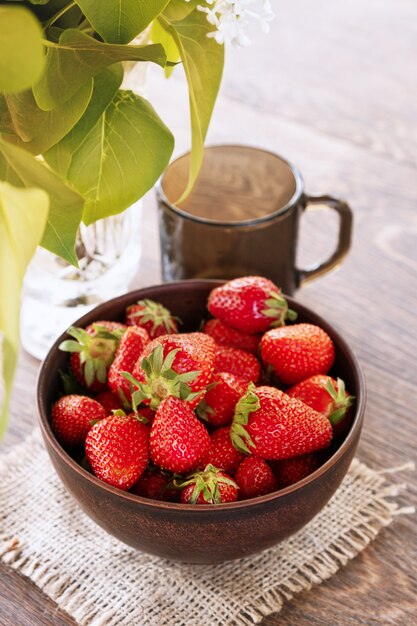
(55, 293)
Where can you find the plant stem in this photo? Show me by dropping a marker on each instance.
(60, 13)
(49, 44)
(84, 23)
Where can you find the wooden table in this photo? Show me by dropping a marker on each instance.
(333, 88)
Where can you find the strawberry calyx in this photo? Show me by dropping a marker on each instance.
(341, 401)
(206, 483)
(96, 350)
(277, 309)
(204, 410)
(161, 380)
(157, 314)
(106, 333)
(239, 435)
(137, 416)
(125, 402)
(70, 384)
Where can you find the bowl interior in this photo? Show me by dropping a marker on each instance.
(188, 299)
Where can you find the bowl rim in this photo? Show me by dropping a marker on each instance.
(143, 292)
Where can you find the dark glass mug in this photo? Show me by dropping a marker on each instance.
(241, 218)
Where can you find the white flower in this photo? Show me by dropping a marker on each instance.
(231, 18)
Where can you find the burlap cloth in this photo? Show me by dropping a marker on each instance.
(99, 581)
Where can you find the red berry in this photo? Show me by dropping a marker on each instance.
(92, 351)
(328, 396)
(109, 401)
(255, 478)
(251, 304)
(212, 486)
(291, 471)
(271, 425)
(117, 449)
(154, 484)
(225, 335)
(153, 317)
(72, 416)
(174, 365)
(130, 349)
(179, 441)
(222, 453)
(297, 352)
(218, 405)
(147, 413)
(237, 362)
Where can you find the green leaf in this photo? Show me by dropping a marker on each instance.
(77, 58)
(46, 10)
(23, 214)
(105, 88)
(58, 15)
(178, 9)
(38, 130)
(160, 35)
(22, 59)
(21, 169)
(6, 122)
(121, 157)
(203, 60)
(119, 21)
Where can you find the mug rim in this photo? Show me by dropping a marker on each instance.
(297, 195)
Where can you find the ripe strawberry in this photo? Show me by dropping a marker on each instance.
(222, 453)
(297, 352)
(327, 396)
(212, 486)
(218, 405)
(174, 365)
(178, 441)
(153, 317)
(154, 484)
(117, 449)
(291, 471)
(225, 335)
(130, 348)
(92, 352)
(72, 416)
(110, 325)
(237, 362)
(147, 414)
(255, 478)
(251, 304)
(269, 424)
(109, 401)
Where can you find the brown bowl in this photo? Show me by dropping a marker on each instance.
(211, 533)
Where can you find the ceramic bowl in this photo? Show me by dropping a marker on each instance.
(190, 533)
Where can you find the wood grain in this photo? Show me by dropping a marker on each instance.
(329, 89)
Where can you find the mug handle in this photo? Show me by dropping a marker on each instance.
(343, 245)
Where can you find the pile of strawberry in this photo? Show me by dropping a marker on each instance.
(238, 410)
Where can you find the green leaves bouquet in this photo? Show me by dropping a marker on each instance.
(76, 147)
